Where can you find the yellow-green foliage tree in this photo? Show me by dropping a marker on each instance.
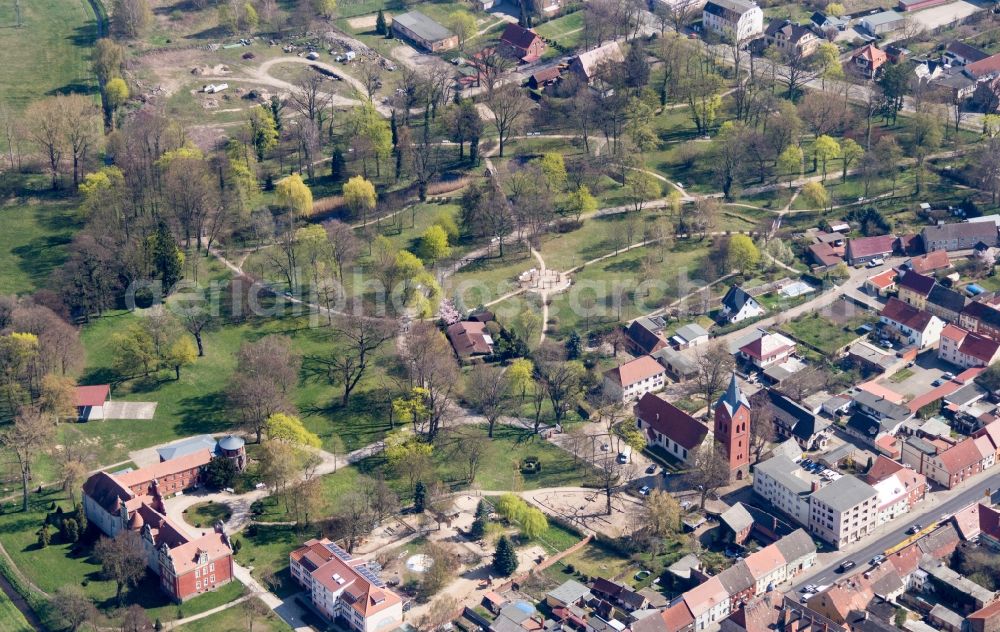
(116, 91)
(183, 352)
(827, 148)
(289, 429)
(554, 169)
(325, 8)
(360, 197)
(815, 193)
(742, 254)
(533, 522)
(261, 130)
(294, 194)
(434, 244)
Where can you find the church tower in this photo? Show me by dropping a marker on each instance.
(732, 429)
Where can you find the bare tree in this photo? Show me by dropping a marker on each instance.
(360, 338)
(509, 107)
(310, 99)
(489, 393)
(75, 458)
(370, 70)
(123, 560)
(268, 371)
(491, 64)
(46, 127)
(26, 439)
(431, 365)
(253, 609)
(345, 245)
(762, 424)
(710, 469)
(714, 366)
(74, 608)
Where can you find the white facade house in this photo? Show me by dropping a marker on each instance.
(914, 326)
(778, 481)
(739, 20)
(843, 511)
(738, 305)
(669, 427)
(634, 379)
(893, 499)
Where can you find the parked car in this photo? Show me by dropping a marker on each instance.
(948, 375)
(644, 490)
(847, 565)
(886, 343)
(878, 559)
(936, 383)
(651, 469)
(876, 262)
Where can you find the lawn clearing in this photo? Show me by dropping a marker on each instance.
(901, 376)
(33, 241)
(195, 404)
(206, 514)
(49, 54)
(816, 330)
(235, 619)
(11, 619)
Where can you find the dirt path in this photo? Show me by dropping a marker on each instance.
(544, 294)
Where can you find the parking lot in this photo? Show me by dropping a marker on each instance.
(920, 377)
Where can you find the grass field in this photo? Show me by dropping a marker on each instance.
(195, 404)
(816, 330)
(567, 30)
(33, 239)
(11, 619)
(49, 53)
(233, 619)
(206, 514)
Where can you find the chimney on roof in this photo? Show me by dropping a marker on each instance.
(815, 486)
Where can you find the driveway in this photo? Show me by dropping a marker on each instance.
(129, 410)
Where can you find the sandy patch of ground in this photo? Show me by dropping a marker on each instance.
(171, 69)
(366, 21)
(587, 509)
(129, 410)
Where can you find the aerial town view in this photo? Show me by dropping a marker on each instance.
(499, 315)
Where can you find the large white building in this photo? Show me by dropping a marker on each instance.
(839, 511)
(345, 588)
(844, 511)
(783, 483)
(741, 20)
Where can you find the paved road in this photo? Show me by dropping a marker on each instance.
(930, 511)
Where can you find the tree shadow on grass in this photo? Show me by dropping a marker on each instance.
(203, 413)
(41, 255)
(213, 33)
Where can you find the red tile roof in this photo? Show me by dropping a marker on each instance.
(979, 347)
(944, 390)
(670, 421)
(881, 469)
(678, 616)
(469, 338)
(518, 37)
(984, 66)
(870, 246)
(764, 561)
(933, 260)
(883, 280)
(825, 254)
(704, 597)
(878, 390)
(164, 468)
(641, 368)
(960, 456)
(874, 55)
(907, 315)
(92, 395)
